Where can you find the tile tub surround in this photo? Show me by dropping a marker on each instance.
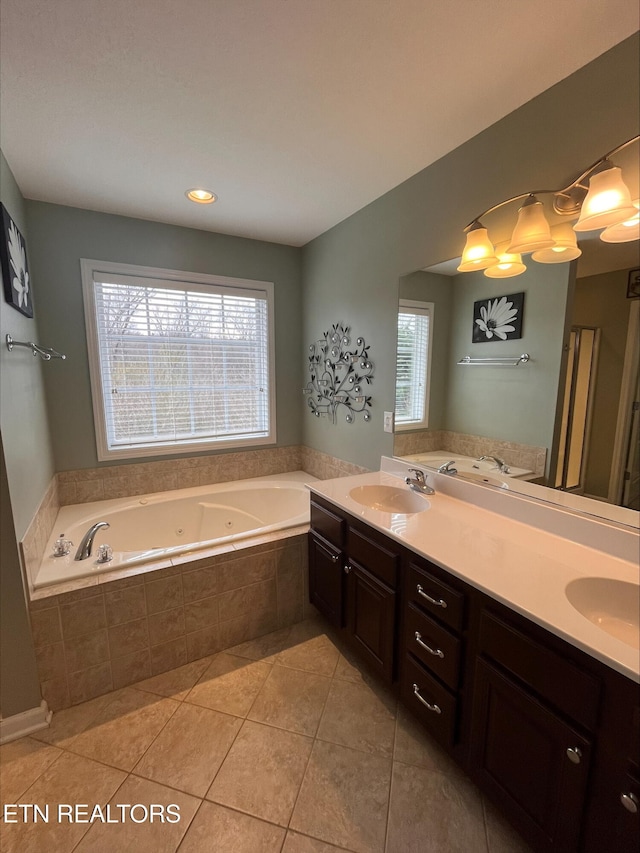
(108, 635)
(37, 534)
(326, 467)
(214, 737)
(139, 478)
(518, 455)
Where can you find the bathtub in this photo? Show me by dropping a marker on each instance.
(159, 527)
(467, 464)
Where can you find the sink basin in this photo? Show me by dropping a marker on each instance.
(389, 499)
(612, 605)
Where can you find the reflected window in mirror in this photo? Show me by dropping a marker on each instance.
(415, 326)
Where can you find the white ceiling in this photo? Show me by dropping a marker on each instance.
(296, 113)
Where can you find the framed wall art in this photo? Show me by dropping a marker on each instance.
(498, 318)
(15, 269)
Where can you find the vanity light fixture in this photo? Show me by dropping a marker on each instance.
(478, 252)
(624, 231)
(608, 201)
(509, 264)
(201, 196)
(565, 246)
(532, 230)
(598, 197)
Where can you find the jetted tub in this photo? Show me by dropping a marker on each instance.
(157, 527)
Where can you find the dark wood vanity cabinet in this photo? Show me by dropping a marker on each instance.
(353, 574)
(550, 734)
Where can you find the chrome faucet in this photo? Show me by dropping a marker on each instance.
(447, 469)
(84, 551)
(501, 465)
(419, 484)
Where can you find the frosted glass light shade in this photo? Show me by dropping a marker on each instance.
(532, 229)
(478, 252)
(508, 264)
(625, 231)
(608, 201)
(565, 247)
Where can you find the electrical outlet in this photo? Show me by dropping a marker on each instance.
(388, 421)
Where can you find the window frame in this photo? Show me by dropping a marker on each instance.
(427, 308)
(158, 277)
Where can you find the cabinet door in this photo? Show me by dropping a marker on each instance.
(325, 579)
(533, 764)
(371, 618)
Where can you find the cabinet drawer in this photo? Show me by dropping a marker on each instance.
(327, 524)
(435, 597)
(433, 645)
(373, 556)
(571, 690)
(419, 690)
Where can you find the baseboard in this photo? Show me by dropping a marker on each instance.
(19, 725)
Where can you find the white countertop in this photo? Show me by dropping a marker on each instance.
(522, 566)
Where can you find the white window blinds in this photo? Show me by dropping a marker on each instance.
(180, 364)
(412, 370)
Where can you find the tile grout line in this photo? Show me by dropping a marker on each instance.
(84, 834)
(41, 774)
(313, 743)
(393, 761)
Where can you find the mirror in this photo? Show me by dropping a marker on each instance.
(564, 422)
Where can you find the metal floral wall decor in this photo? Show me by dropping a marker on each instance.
(498, 319)
(15, 271)
(339, 374)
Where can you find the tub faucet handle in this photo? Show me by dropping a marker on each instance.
(105, 553)
(62, 546)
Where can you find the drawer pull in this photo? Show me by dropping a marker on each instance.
(438, 603)
(630, 802)
(438, 653)
(347, 569)
(335, 558)
(427, 705)
(574, 754)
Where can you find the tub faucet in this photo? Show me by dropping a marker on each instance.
(84, 551)
(419, 484)
(501, 465)
(447, 469)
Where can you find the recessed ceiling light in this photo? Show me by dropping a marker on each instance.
(200, 196)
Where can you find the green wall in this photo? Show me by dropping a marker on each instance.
(60, 236)
(19, 684)
(25, 473)
(512, 404)
(351, 272)
(23, 415)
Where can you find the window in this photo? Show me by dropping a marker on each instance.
(413, 364)
(178, 361)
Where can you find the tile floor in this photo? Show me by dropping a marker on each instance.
(279, 744)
